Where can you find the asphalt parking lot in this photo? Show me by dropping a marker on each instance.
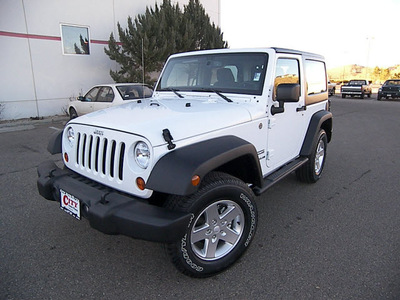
(336, 239)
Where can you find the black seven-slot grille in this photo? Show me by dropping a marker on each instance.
(100, 155)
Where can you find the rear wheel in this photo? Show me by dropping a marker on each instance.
(223, 224)
(312, 170)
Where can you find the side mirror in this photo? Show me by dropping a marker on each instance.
(288, 92)
(285, 92)
(83, 99)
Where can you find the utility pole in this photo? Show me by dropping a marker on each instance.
(369, 39)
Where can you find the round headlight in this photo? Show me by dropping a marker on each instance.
(142, 155)
(71, 136)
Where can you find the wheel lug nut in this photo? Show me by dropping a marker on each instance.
(214, 238)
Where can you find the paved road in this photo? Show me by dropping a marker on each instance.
(337, 239)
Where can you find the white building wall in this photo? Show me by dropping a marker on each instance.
(36, 78)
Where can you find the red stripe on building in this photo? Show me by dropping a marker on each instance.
(99, 42)
(44, 37)
(30, 36)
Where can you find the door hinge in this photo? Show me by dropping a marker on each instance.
(270, 124)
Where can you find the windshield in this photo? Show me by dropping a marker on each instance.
(357, 82)
(129, 92)
(238, 73)
(392, 82)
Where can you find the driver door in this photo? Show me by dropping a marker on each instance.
(104, 98)
(286, 129)
(85, 106)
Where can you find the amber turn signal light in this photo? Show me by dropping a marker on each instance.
(66, 156)
(140, 183)
(195, 180)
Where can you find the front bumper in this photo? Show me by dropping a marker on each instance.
(110, 211)
(393, 94)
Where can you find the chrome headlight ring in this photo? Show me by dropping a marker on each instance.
(71, 136)
(142, 154)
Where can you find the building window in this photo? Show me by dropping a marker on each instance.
(75, 39)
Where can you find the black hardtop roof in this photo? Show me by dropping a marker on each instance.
(291, 51)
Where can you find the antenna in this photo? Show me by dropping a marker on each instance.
(143, 64)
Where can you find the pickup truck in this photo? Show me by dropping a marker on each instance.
(356, 88)
(185, 166)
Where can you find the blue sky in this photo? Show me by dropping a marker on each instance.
(362, 32)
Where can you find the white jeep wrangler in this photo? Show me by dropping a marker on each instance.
(184, 167)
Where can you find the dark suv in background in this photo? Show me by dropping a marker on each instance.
(390, 89)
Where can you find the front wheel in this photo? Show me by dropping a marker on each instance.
(224, 221)
(311, 171)
(72, 113)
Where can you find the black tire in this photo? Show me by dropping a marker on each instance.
(311, 171)
(223, 225)
(72, 113)
(343, 96)
(362, 96)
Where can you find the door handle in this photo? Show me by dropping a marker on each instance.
(303, 108)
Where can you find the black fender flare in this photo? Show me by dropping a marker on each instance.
(54, 146)
(173, 173)
(321, 119)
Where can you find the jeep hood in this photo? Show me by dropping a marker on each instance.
(183, 117)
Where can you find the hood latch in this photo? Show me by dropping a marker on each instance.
(168, 138)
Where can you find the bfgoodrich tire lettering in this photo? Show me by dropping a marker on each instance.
(223, 225)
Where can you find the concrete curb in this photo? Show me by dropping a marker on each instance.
(33, 121)
(28, 124)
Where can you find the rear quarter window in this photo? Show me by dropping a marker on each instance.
(316, 81)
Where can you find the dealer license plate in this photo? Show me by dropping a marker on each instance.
(70, 204)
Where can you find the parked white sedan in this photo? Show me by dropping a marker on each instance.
(107, 95)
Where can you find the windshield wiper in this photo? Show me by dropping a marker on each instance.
(214, 91)
(173, 90)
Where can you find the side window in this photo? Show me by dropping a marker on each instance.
(92, 94)
(147, 92)
(287, 71)
(315, 76)
(106, 95)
